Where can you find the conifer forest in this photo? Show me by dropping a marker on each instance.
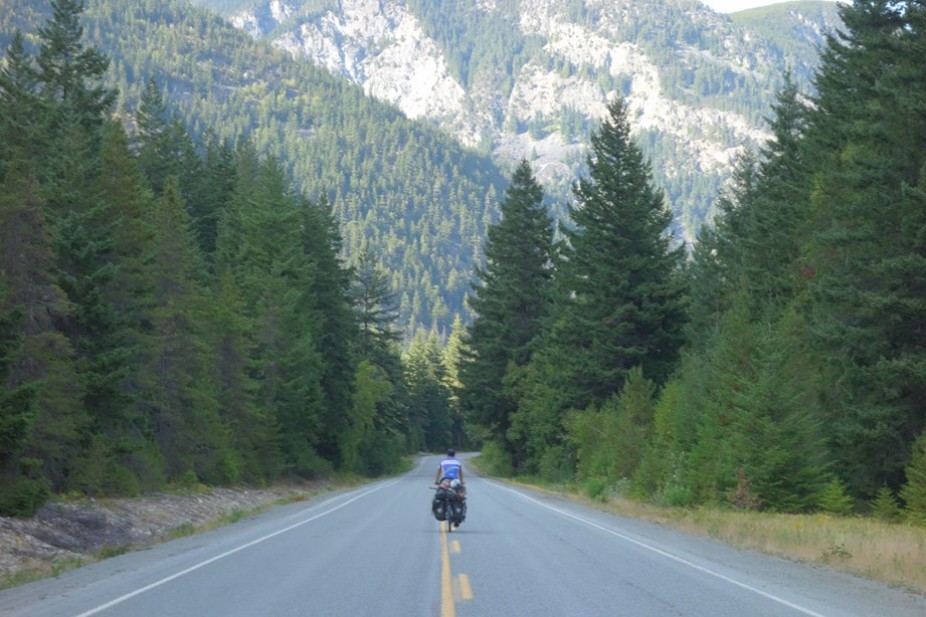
(174, 309)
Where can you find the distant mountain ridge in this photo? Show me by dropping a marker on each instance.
(529, 78)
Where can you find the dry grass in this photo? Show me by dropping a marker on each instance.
(893, 553)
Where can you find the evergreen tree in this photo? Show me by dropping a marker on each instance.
(913, 491)
(217, 184)
(610, 441)
(165, 148)
(44, 356)
(715, 271)
(776, 212)
(23, 489)
(21, 110)
(255, 432)
(869, 284)
(328, 296)
(620, 302)
(180, 405)
(509, 302)
(70, 73)
(428, 396)
(262, 245)
(452, 360)
(376, 314)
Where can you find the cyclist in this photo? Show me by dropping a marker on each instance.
(450, 468)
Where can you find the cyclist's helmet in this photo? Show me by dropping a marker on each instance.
(451, 453)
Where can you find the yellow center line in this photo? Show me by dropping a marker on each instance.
(448, 608)
(466, 592)
(455, 547)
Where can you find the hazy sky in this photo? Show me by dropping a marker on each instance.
(730, 6)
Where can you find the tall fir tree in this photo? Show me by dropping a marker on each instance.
(70, 73)
(621, 297)
(868, 291)
(429, 397)
(262, 245)
(328, 296)
(777, 212)
(377, 341)
(509, 302)
(22, 111)
(180, 403)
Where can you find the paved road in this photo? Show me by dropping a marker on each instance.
(376, 551)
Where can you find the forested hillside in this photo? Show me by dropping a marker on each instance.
(404, 193)
(172, 309)
(790, 373)
(175, 306)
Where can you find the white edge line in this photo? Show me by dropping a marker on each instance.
(680, 560)
(202, 564)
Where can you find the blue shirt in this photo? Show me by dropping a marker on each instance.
(450, 468)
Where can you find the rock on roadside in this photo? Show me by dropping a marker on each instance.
(64, 533)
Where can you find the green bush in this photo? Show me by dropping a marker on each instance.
(495, 460)
(834, 498)
(885, 506)
(597, 489)
(675, 495)
(23, 497)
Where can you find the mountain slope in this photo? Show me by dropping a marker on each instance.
(405, 191)
(505, 78)
(530, 78)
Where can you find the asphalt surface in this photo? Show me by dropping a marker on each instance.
(377, 551)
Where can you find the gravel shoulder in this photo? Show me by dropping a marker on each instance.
(65, 534)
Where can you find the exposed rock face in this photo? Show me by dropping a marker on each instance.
(79, 532)
(381, 46)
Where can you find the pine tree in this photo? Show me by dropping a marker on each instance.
(217, 184)
(179, 403)
(509, 302)
(869, 288)
(328, 296)
(261, 244)
(777, 212)
(452, 360)
(40, 385)
(715, 273)
(913, 491)
(620, 300)
(23, 489)
(428, 395)
(164, 147)
(254, 430)
(376, 314)
(69, 73)
(21, 110)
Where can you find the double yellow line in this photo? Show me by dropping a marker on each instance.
(450, 592)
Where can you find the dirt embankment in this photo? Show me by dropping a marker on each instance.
(64, 534)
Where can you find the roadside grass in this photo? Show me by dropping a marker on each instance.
(38, 569)
(892, 553)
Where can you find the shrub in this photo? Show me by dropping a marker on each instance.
(495, 460)
(834, 498)
(23, 497)
(885, 505)
(914, 491)
(597, 489)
